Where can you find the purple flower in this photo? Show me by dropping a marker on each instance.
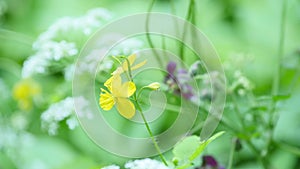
(209, 162)
(177, 80)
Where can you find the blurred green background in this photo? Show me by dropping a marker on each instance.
(244, 32)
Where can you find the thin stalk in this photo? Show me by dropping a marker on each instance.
(258, 155)
(295, 79)
(231, 155)
(144, 119)
(188, 18)
(264, 161)
(176, 26)
(276, 79)
(151, 134)
(148, 34)
(238, 112)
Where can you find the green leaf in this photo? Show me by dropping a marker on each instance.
(186, 147)
(190, 148)
(204, 144)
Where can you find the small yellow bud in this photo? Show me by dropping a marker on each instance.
(154, 86)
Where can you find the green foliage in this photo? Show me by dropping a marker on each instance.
(186, 151)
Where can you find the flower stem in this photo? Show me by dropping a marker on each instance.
(144, 119)
(231, 155)
(189, 17)
(151, 134)
(160, 62)
(276, 80)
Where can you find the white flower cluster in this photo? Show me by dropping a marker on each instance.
(241, 83)
(57, 48)
(127, 47)
(61, 42)
(111, 167)
(58, 112)
(15, 145)
(146, 163)
(8, 137)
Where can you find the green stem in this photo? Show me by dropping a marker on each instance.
(257, 153)
(148, 34)
(238, 112)
(276, 80)
(144, 119)
(263, 160)
(288, 148)
(188, 18)
(295, 80)
(151, 134)
(231, 155)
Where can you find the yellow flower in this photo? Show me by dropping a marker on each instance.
(24, 91)
(124, 66)
(118, 95)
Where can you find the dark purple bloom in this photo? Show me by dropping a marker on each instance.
(171, 68)
(177, 80)
(209, 162)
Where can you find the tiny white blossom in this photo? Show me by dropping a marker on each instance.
(69, 72)
(145, 164)
(111, 167)
(127, 47)
(58, 112)
(57, 47)
(72, 123)
(34, 64)
(83, 108)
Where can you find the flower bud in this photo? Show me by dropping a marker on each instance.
(154, 86)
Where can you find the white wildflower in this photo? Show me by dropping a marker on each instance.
(72, 122)
(83, 108)
(58, 46)
(127, 47)
(58, 112)
(8, 137)
(69, 72)
(58, 50)
(145, 164)
(19, 121)
(90, 62)
(241, 83)
(111, 167)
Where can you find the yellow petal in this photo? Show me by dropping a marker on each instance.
(125, 107)
(131, 60)
(138, 65)
(118, 71)
(106, 100)
(116, 84)
(108, 83)
(127, 89)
